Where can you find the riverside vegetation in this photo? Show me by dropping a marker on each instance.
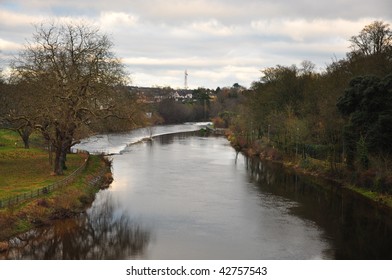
(32, 167)
(335, 124)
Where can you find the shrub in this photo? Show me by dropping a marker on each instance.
(218, 122)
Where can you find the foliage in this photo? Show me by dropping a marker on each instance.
(368, 104)
(342, 116)
(175, 112)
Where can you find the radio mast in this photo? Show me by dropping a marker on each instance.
(186, 80)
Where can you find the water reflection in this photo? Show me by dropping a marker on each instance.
(103, 233)
(199, 202)
(358, 229)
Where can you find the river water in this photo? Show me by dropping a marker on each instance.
(187, 196)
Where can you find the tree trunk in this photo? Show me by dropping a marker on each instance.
(50, 152)
(64, 161)
(62, 148)
(60, 152)
(25, 135)
(26, 141)
(59, 163)
(58, 167)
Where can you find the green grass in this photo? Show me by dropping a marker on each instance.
(58, 204)
(23, 170)
(8, 137)
(374, 196)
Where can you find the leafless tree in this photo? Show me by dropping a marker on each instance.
(74, 78)
(18, 111)
(374, 38)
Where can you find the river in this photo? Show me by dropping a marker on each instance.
(187, 196)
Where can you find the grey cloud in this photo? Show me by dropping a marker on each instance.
(223, 10)
(220, 42)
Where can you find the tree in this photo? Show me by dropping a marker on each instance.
(174, 112)
(2, 98)
(368, 104)
(1, 77)
(74, 77)
(375, 38)
(19, 110)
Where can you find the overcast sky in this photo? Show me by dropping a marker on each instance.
(219, 42)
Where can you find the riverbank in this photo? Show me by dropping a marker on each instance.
(317, 169)
(64, 202)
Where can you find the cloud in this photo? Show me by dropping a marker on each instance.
(109, 20)
(12, 19)
(212, 27)
(9, 46)
(222, 10)
(194, 62)
(301, 29)
(220, 42)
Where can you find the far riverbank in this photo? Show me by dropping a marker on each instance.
(314, 168)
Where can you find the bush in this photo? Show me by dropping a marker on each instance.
(84, 199)
(383, 184)
(366, 179)
(272, 153)
(218, 122)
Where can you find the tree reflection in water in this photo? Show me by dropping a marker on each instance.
(358, 228)
(102, 233)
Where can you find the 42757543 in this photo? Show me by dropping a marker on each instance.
(243, 270)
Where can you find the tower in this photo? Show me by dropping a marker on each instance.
(186, 80)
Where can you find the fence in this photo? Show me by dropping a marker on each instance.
(44, 190)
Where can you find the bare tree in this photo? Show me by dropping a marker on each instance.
(18, 110)
(374, 38)
(75, 78)
(2, 98)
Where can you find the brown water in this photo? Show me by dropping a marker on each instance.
(183, 196)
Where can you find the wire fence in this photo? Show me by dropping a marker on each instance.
(14, 200)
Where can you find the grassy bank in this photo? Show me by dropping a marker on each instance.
(24, 170)
(316, 168)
